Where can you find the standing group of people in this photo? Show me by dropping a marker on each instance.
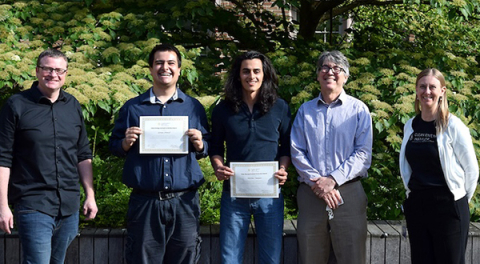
(44, 153)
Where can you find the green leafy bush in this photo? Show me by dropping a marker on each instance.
(108, 42)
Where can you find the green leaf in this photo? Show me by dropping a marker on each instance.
(105, 106)
(379, 126)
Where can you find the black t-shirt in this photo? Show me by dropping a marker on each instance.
(422, 155)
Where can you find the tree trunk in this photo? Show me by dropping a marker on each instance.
(308, 21)
(310, 14)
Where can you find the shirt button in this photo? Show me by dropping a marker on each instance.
(166, 188)
(164, 106)
(166, 160)
(166, 174)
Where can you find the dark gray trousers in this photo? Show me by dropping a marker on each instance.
(346, 233)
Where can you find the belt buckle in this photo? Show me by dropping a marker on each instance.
(162, 196)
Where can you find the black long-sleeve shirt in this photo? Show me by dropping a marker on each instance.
(42, 143)
(250, 136)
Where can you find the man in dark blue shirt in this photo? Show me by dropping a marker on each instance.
(164, 208)
(44, 152)
(255, 125)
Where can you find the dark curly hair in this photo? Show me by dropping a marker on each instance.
(268, 90)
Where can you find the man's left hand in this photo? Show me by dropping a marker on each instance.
(323, 185)
(332, 198)
(90, 209)
(281, 175)
(195, 137)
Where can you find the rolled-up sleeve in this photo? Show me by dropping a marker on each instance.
(84, 150)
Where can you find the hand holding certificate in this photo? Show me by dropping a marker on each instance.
(254, 180)
(164, 135)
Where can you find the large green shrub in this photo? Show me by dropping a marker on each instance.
(108, 44)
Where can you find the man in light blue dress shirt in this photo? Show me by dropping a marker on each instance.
(331, 148)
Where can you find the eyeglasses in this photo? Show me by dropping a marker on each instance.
(58, 71)
(335, 69)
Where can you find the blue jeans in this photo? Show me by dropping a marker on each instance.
(235, 215)
(44, 238)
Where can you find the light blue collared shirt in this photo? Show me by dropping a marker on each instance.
(333, 139)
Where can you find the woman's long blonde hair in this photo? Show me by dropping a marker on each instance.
(441, 118)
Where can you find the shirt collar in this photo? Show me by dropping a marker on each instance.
(340, 99)
(177, 96)
(39, 97)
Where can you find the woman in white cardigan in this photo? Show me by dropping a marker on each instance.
(439, 170)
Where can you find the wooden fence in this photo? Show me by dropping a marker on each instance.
(386, 244)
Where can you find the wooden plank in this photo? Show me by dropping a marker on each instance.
(468, 250)
(475, 233)
(72, 256)
(86, 245)
(100, 246)
(377, 244)
(12, 248)
(205, 247)
(215, 243)
(290, 245)
(2, 247)
(392, 242)
(116, 246)
(473, 236)
(401, 226)
(368, 247)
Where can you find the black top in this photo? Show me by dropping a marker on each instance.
(42, 144)
(422, 155)
(250, 136)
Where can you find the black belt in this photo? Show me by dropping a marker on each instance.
(160, 195)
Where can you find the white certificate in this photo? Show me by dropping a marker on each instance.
(254, 179)
(164, 135)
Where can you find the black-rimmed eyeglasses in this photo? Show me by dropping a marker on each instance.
(335, 69)
(58, 71)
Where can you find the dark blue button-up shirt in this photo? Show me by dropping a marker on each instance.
(160, 172)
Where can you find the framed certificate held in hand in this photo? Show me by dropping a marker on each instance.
(254, 180)
(164, 135)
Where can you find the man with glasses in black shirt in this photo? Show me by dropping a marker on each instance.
(44, 152)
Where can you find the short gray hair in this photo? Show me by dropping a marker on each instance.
(336, 57)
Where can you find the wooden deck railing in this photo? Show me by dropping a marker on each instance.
(386, 244)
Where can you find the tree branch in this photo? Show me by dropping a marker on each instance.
(241, 5)
(346, 8)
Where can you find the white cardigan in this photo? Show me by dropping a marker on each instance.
(457, 157)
